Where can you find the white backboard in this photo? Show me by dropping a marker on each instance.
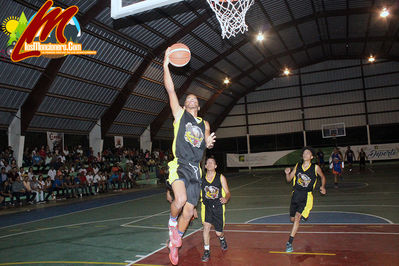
(333, 130)
(123, 8)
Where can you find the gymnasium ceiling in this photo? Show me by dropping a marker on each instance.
(122, 86)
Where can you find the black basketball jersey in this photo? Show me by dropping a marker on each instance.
(212, 191)
(189, 138)
(305, 179)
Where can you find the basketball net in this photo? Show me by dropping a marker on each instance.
(231, 15)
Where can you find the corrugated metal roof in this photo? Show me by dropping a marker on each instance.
(105, 17)
(61, 106)
(334, 5)
(239, 60)
(18, 76)
(60, 123)
(12, 98)
(277, 11)
(198, 89)
(337, 27)
(258, 76)
(212, 38)
(86, 91)
(301, 8)
(134, 118)
(115, 39)
(111, 54)
(80, 67)
(143, 35)
(291, 38)
(228, 68)
(151, 89)
(165, 26)
(6, 118)
(83, 5)
(126, 130)
(198, 48)
(358, 25)
(308, 31)
(251, 52)
(155, 72)
(144, 104)
(359, 3)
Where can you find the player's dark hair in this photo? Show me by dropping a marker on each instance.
(309, 149)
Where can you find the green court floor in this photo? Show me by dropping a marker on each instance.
(124, 232)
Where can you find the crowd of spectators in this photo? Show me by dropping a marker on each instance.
(75, 172)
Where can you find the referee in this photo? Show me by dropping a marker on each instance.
(214, 195)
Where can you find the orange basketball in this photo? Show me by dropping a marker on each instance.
(179, 55)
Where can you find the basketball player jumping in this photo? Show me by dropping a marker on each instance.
(191, 137)
(304, 177)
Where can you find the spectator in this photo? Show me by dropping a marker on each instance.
(6, 191)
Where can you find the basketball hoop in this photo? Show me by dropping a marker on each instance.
(231, 15)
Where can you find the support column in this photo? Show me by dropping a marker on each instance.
(304, 139)
(145, 140)
(302, 108)
(15, 139)
(247, 128)
(95, 140)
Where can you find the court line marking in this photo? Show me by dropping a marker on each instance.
(317, 206)
(303, 253)
(155, 251)
(315, 232)
(334, 194)
(70, 226)
(366, 214)
(152, 227)
(89, 209)
(63, 262)
(144, 218)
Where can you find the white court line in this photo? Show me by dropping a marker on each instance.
(232, 189)
(155, 251)
(335, 194)
(317, 206)
(89, 209)
(152, 227)
(70, 225)
(146, 217)
(366, 214)
(285, 232)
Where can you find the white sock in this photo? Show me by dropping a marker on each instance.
(206, 247)
(172, 222)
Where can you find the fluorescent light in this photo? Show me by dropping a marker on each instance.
(384, 13)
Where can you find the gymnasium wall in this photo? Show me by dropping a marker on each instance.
(348, 91)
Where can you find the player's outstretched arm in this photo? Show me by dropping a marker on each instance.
(323, 180)
(170, 87)
(209, 138)
(225, 187)
(289, 175)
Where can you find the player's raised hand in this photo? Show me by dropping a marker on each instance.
(287, 170)
(210, 140)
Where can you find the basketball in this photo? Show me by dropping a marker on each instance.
(179, 55)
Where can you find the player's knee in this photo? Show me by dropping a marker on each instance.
(292, 219)
(180, 201)
(297, 217)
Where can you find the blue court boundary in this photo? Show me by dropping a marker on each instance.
(32, 215)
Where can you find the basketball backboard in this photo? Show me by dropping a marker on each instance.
(123, 8)
(333, 130)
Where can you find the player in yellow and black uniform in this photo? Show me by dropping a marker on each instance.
(304, 178)
(214, 195)
(191, 137)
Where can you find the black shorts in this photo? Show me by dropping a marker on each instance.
(213, 214)
(301, 202)
(190, 174)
